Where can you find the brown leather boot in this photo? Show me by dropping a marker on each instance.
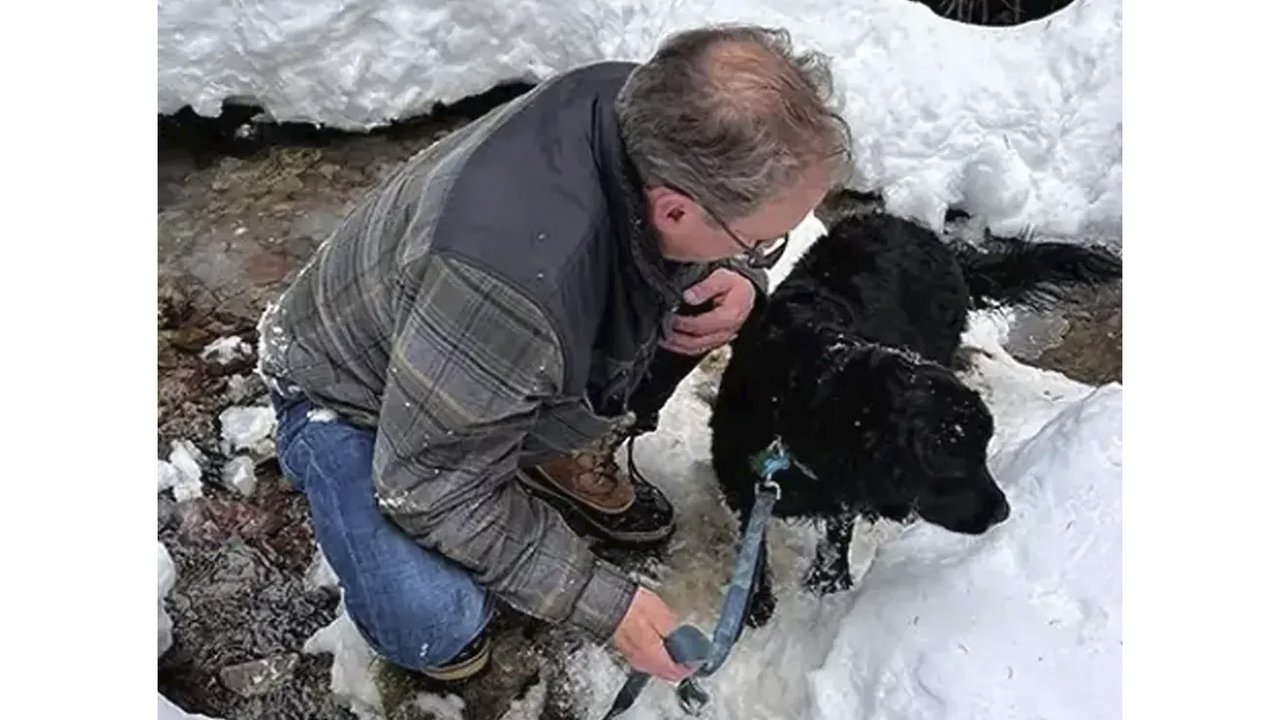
(590, 488)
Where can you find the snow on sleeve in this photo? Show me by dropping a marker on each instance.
(1019, 125)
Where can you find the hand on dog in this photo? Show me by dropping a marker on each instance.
(732, 296)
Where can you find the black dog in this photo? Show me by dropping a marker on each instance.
(849, 365)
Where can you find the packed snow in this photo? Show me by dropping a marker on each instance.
(1020, 126)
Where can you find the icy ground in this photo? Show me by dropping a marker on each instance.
(1021, 126)
(1021, 622)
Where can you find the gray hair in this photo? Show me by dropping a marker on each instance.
(732, 115)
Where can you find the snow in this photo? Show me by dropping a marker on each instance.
(238, 387)
(226, 350)
(239, 474)
(351, 678)
(1021, 126)
(183, 471)
(167, 475)
(441, 707)
(248, 428)
(321, 415)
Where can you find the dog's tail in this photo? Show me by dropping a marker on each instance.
(1035, 274)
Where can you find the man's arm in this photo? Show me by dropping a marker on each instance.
(466, 373)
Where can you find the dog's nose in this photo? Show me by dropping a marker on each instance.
(1002, 511)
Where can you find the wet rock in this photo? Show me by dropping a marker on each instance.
(258, 677)
(233, 604)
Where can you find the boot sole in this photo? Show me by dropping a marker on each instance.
(572, 510)
(463, 670)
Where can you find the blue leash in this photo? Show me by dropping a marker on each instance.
(686, 644)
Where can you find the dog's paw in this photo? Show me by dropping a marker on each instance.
(827, 580)
(761, 609)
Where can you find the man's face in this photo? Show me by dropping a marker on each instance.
(687, 233)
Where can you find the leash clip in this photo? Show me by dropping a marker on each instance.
(693, 699)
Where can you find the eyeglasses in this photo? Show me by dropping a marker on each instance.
(757, 257)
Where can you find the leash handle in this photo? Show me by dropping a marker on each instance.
(687, 646)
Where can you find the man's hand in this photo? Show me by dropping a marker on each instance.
(639, 637)
(732, 296)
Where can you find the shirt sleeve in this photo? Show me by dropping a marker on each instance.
(468, 370)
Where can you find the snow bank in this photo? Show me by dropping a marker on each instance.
(1024, 622)
(1020, 125)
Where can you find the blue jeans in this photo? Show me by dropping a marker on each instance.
(414, 607)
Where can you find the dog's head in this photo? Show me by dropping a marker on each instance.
(929, 434)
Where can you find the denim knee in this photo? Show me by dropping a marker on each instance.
(415, 607)
(419, 623)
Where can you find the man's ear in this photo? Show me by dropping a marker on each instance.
(669, 211)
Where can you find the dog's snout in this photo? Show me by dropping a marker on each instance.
(1002, 510)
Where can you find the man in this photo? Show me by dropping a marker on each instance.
(457, 364)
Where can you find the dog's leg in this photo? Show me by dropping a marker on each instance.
(829, 572)
(760, 607)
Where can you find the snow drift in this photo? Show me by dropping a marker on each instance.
(1021, 126)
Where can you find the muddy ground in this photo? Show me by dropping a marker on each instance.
(239, 213)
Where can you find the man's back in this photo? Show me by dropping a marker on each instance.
(516, 201)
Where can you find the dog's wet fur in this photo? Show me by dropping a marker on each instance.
(850, 365)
